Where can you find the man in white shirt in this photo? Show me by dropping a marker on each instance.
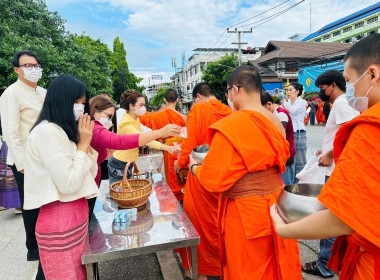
(20, 105)
(333, 87)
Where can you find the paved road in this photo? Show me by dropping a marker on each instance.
(13, 264)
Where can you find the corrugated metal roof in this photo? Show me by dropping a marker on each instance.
(346, 20)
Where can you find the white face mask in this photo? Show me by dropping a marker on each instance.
(78, 110)
(140, 111)
(231, 104)
(107, 123)
(33, 75)
(358, 103)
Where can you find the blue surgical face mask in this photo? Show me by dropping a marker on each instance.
(358, 103)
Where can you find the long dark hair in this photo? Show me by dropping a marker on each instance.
(59, 104)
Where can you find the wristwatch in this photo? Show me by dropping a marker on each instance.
(191, 168)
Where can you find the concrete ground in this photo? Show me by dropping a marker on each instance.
(163, 265)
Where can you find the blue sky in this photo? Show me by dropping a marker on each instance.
(153, 31)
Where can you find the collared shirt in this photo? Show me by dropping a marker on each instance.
(129, 125)
(20, 106)
(297, 112)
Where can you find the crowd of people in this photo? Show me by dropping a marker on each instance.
(57, 139)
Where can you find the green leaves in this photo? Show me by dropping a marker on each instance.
(28, 25)
(217, 73)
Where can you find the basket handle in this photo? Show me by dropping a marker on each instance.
(124, 181)
(136, 170)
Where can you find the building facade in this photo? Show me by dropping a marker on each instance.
(185, 80)
(350, 28)
(281, 61)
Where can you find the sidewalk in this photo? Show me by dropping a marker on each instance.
(163, 265)
(13, 263)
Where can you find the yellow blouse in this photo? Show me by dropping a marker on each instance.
(129, 125)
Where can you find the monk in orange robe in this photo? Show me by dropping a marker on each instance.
(158, 120)
(352, 193)
(247, 154)
(321, 119)
(200, 205)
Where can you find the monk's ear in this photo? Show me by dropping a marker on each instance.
(165, 100)
(374, 71)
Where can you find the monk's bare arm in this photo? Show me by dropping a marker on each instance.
(321, 225)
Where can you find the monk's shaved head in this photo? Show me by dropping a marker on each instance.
(171, 95)
(246, 77)
(203, 89)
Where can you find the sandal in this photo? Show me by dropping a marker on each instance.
(311, 268)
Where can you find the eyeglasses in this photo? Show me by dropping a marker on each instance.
(228, 89)
(30, 66)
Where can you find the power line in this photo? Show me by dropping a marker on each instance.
(260, 14)
(264, 20)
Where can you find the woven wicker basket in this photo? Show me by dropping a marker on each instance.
(134, 193)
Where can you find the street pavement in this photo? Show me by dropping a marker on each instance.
(163, 265)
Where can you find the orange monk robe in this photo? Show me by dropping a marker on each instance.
(352, 192)
(243, 142)
(157, 121)
(319, 114)
(200, 205)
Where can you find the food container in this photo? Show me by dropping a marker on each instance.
(200, 152)
(299, 201)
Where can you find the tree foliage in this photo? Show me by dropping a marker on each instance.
(28, 25)
(216, 73)
(158, 99)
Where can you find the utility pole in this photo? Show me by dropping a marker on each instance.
(239, 43)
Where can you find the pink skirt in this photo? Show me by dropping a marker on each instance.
(62, 233)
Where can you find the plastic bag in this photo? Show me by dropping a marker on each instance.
(312, 173)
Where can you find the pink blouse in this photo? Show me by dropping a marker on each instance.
(103, 139)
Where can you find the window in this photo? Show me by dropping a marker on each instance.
(290, 66)
(336, 33)
(373, 32)
(326, 37)
(359, 37)
(196, 69)
(348, 40)
(317, 40)
(372, 20)
(347, 29)
(358, 25)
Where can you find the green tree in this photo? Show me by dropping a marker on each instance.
(122, 79)
(158, 99)
(29, 25)
(216, 73)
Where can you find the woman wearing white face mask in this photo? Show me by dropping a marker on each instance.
(134, 103)
(102, 111)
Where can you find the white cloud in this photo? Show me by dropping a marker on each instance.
(155, 30)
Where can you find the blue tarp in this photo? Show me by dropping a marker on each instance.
(307, 75)
(272, 86)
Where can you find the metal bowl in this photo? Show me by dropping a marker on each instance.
(200, 152)
(299, 201)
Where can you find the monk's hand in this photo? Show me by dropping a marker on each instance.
(176, 167)
(325, 160)
(279, 223)
(170, 130)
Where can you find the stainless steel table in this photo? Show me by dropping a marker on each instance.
(163, 225)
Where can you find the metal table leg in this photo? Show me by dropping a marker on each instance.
(92, 271)
(194, 262)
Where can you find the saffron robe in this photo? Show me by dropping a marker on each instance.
(247, 142)
(157, 121)
(352, 192)
(200, 205)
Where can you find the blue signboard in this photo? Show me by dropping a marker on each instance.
(272, 86)
(307, 75)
